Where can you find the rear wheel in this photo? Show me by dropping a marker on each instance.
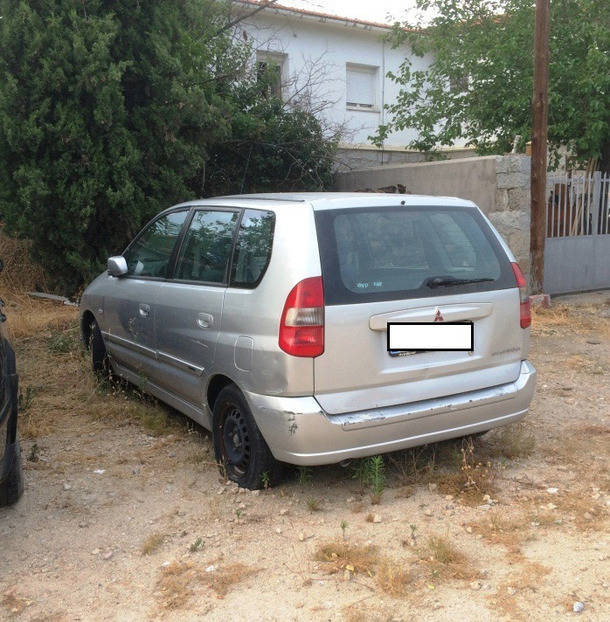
(240, 448)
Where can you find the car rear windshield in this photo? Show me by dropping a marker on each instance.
(390, 253)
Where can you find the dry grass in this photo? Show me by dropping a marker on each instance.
(514, 441)
(394, 579)
(28, 317)
(180, 581)
(445, 560)
(577, 507)
(343, 556)
(524, 583)
(14, 604)
(473, 479)
(508, 531)
(391, 576)
(56, 378)
(20, 272)
(561, 318)
(152, 543)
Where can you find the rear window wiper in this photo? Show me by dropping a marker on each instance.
(444, 281)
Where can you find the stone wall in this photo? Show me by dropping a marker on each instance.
(499, 185)
(511, 211)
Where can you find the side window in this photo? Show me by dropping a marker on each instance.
(150, 254)
(253, 248)
(206, 248)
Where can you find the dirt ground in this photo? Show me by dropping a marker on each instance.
(124, 516)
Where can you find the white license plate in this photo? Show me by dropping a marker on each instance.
(448, 336)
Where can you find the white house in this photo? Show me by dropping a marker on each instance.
(338, 66)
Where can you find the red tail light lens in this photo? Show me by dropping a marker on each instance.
(524, 299)
(302, 323)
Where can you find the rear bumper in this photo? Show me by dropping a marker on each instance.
(298, 431)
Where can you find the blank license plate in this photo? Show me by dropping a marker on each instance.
(448, 336)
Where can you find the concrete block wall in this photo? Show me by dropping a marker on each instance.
(499, 185)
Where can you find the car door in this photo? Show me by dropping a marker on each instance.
(189, 311)
(130, 302)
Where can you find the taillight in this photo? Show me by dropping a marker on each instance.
(524, 299)
(302, 323)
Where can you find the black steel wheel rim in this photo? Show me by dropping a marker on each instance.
(236, 441)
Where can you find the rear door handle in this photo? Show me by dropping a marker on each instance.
(205, 320)
(144, 310)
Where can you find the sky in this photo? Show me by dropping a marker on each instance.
(384, 11)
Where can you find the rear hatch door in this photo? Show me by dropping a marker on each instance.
(412, 264)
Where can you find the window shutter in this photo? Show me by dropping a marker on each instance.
(361, 86)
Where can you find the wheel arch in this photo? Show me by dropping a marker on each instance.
(217, 383)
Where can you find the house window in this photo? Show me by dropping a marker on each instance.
(270, 69)
(361, 83)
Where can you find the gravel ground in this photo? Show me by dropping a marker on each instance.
(125, 517)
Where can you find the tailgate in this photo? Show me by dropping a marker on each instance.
(410, 264)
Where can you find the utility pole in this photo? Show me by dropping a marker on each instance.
(539, 144)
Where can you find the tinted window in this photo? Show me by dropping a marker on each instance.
(206, 248)
(150, 253)
(390, 253)
(253, 248)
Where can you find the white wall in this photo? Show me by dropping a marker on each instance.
(329, 46)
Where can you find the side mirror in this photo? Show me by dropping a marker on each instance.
(117, 266)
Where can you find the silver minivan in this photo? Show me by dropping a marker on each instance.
(314, 328)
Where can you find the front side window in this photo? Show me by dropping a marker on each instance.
(253, 248)
(150, 253)
(205, 252)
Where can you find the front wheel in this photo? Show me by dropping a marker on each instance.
(240, 448)
(99, 357)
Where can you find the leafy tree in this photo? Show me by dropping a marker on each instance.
(479, 85)
(270, 148)
(111, 110)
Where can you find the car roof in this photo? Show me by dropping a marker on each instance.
(329, 200)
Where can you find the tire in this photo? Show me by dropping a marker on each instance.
(240, 449)
(11, 474)
(12, 485)
(99, 357)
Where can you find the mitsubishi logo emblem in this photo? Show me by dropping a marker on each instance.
(438, 316)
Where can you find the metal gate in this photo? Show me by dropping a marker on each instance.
(577, 247)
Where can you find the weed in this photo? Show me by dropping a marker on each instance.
(152, 543)
(24, 400)
(369, 518)
(62, 342)
(33, 455)
(371, 472)
(314, 504)
(305, 475)
(197, 545)
(343, 526)
(265, 479)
